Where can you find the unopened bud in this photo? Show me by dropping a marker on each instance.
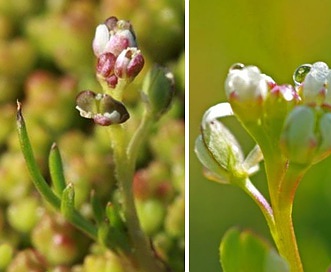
(129, 63)
(246, 89)
(105, 65)
(246, 84)
(314, 85)
(158, 90)
(113, 36)
(298, 138)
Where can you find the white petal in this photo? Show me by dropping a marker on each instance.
(100, 39)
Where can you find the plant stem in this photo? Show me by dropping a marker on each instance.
(259, 199)
(125, 161)
(283, 180)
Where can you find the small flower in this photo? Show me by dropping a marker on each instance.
(129, 63)
(113, 36)
(314, 85)
(246, 84)
(102, 108)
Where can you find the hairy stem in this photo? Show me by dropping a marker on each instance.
(125, 161)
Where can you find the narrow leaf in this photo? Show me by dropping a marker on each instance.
(37, 178)
(56, 170)
(68, 202)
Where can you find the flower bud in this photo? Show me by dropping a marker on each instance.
(246, 89)
(246, 84)
(105, 65)
(158, 90)
(298, 138)
(314, 84)
(129, 63)
(113, 36)
(102, 108)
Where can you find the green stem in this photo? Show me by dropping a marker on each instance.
(125, 161)
(283, 181)
(259, 199)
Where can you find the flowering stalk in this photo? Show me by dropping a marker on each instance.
(119, 61)
(291, 125)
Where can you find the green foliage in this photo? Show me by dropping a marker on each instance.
(245, 252)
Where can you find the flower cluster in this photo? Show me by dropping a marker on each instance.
(116, 50)
(119, 61)
(296, 117)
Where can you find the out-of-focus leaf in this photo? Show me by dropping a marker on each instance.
(245, 252)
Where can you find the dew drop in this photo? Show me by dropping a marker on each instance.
(300, 73)
(237, 66)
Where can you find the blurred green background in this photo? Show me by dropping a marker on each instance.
(277, 36)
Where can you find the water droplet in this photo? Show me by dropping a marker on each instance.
(237, 66)
(300, 73)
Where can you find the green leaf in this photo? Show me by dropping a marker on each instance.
(245, 252)
(56, 170)
(68, 201)
(31, 163)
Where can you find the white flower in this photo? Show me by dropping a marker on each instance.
(247, 84)
(113, 40)
(314, 84)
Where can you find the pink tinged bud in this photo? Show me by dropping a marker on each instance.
(113, 36)
(105, 65)
(120, 41)
(100, 40)
(129, 63)
(314, 84)
(247, 84)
